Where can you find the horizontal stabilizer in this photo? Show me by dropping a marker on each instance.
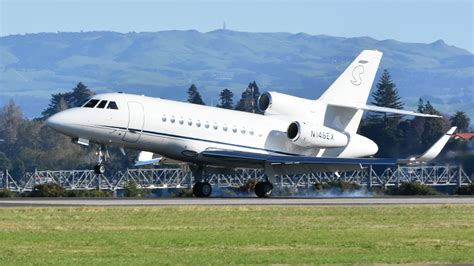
(432, 152)
(380, 109)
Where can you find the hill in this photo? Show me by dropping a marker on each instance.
(165, 63)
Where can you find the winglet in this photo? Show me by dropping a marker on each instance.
(432, 152)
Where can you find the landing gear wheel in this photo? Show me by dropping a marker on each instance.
(263, 189)
(99, 169)
(202, 189)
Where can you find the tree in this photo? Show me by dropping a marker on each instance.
(384, 128)
(63, 101)
(79, 94)
(460, 120)
(11, 118)
(5, 163)
(18, 169)
(57, 103)
(432, 127)
(248, 102)
(386, 95)
(225, 98)
(194, 96)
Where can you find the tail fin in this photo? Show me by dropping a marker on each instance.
(351, 89)
(353, 86)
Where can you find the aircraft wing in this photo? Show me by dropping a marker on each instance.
(294, 164)
(292, 159)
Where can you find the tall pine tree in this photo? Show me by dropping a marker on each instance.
(194, 96)
(384, 128)
(386, 95)
(225, 98)
(79, 94)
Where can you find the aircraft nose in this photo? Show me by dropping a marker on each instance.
(56, 121)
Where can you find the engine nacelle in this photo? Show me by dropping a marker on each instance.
(274, 103)
(307, 135)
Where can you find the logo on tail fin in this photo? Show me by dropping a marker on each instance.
(356, 75)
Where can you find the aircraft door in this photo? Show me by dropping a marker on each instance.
(136, 120)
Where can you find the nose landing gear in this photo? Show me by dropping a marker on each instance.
(99, 168)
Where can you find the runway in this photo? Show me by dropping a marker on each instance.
(75, 202)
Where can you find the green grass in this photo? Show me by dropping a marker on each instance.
(223, 235)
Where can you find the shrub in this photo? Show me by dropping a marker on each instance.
(466, 190)
(414, 188)
(248, 187)
(6, 193)
(48, 190)
(183, 193)
(95, 193)
(342, 186)
(132, 190)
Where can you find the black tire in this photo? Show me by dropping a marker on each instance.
(99, 169)
(197, 189)
(263, 189)
(202, 189)
(206, 189)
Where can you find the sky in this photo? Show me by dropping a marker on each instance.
(421, 21)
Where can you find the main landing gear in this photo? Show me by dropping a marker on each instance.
(202, 188)
(263, 189)
(99, 168)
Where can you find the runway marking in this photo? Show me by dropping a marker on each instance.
(69, 202)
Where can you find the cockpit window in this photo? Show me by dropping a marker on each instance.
(112, 105)
(91, 103)
(102, 104)
(84, 102)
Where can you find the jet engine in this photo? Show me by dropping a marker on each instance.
(274, 103)
(307, 135)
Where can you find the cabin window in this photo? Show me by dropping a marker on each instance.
(91, 104)
(224, 127)
(242, 130)
(234, 129)
(190, 122)
(181, 120)
(215, 126)
(206, 124)
(198, 123)
(102, 104)
(112, 105)
(251, 132)
(163, 118)
(172, 119)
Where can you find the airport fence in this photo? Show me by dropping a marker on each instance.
(163, 178)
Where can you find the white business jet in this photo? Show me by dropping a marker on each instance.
(294, 135)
